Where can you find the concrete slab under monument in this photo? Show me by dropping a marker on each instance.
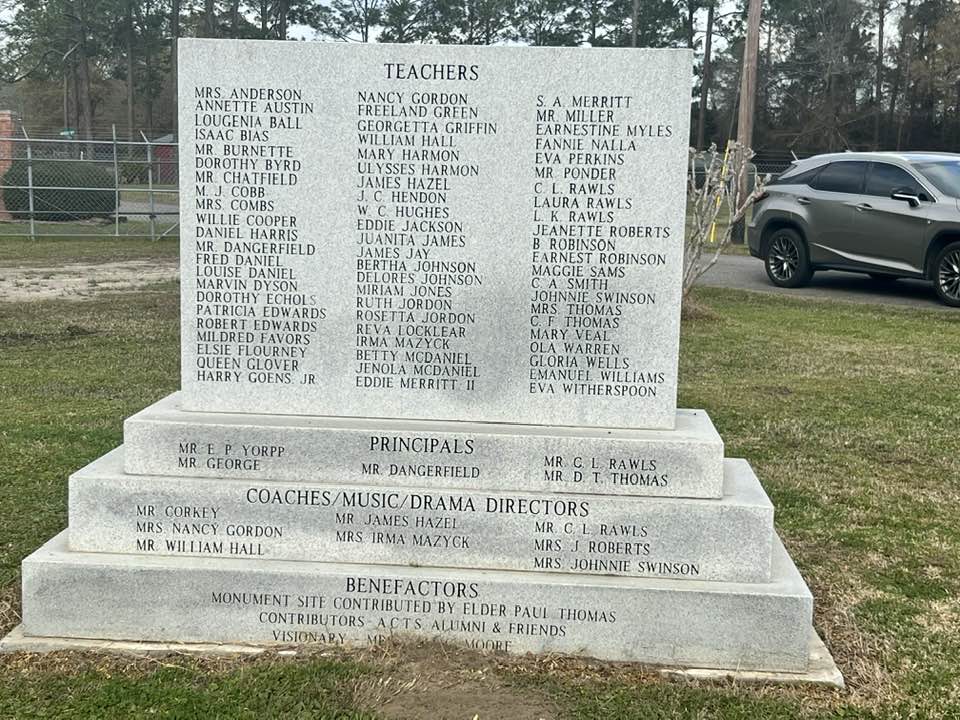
(821, 669)
(219, 600)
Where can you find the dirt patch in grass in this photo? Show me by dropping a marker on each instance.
(412, 677)
(692, 311)
(864, 659)
(82, 281)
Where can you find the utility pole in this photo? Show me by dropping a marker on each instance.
(705, 79)
(66, 95)
(748, 99)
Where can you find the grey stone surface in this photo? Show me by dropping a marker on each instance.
(429, 232)
(207, 600)
(726, 539)
(684, 462)
(821, 669)
(18, 641)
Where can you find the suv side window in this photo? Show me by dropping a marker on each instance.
(800, 178)
(885, 178)
(845, 176)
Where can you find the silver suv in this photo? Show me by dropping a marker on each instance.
(889, 215)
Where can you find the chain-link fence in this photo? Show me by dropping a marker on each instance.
(71, 188)
(776, 162)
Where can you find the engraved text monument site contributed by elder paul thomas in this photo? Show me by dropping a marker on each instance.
(430, 320)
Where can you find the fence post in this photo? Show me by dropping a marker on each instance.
(153, 215)
(33, 229)
(116, 184)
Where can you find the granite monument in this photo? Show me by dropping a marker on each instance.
(430, 323)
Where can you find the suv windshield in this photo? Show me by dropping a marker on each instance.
(944, 175)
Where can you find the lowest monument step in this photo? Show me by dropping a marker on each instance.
(219, 600)
(684, 462)
(729, 539)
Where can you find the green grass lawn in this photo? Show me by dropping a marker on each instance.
(847, 412)
(132, 231)
(50, 252)
(162, 195)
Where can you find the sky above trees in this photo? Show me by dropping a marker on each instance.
(833, 74)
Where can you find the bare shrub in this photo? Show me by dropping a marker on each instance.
(715, 206)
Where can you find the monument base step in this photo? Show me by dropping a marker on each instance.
(821, 669)
(725, 540)
(684, 462)
(689, 623)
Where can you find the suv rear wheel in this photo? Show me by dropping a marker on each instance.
(786, 260)
(946, 278)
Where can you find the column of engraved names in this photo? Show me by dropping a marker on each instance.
(590, 261)
(254, 319)
(416, 267)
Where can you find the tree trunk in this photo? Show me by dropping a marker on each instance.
(209, 18)
(281, 8)
(705, 80)
(234, 18)
(84, 101)
(913, 97)
(128, 20)
(148, 65)
(878, 79)
(903, 57)
(748, 96)
(83, 95)
(593, 21)
(768, 72)
(908, 103)
(76, 100)
(264, 19)
(944, 122)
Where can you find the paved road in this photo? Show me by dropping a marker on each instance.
(747, 273)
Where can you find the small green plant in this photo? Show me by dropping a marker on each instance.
(63, 190)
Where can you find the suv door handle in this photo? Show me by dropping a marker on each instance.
(803, 200)
(863, 206)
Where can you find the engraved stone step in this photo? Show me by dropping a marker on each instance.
(685, 462)
(726, 539)
(137, 597)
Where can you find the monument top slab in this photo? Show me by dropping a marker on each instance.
(453, 233)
